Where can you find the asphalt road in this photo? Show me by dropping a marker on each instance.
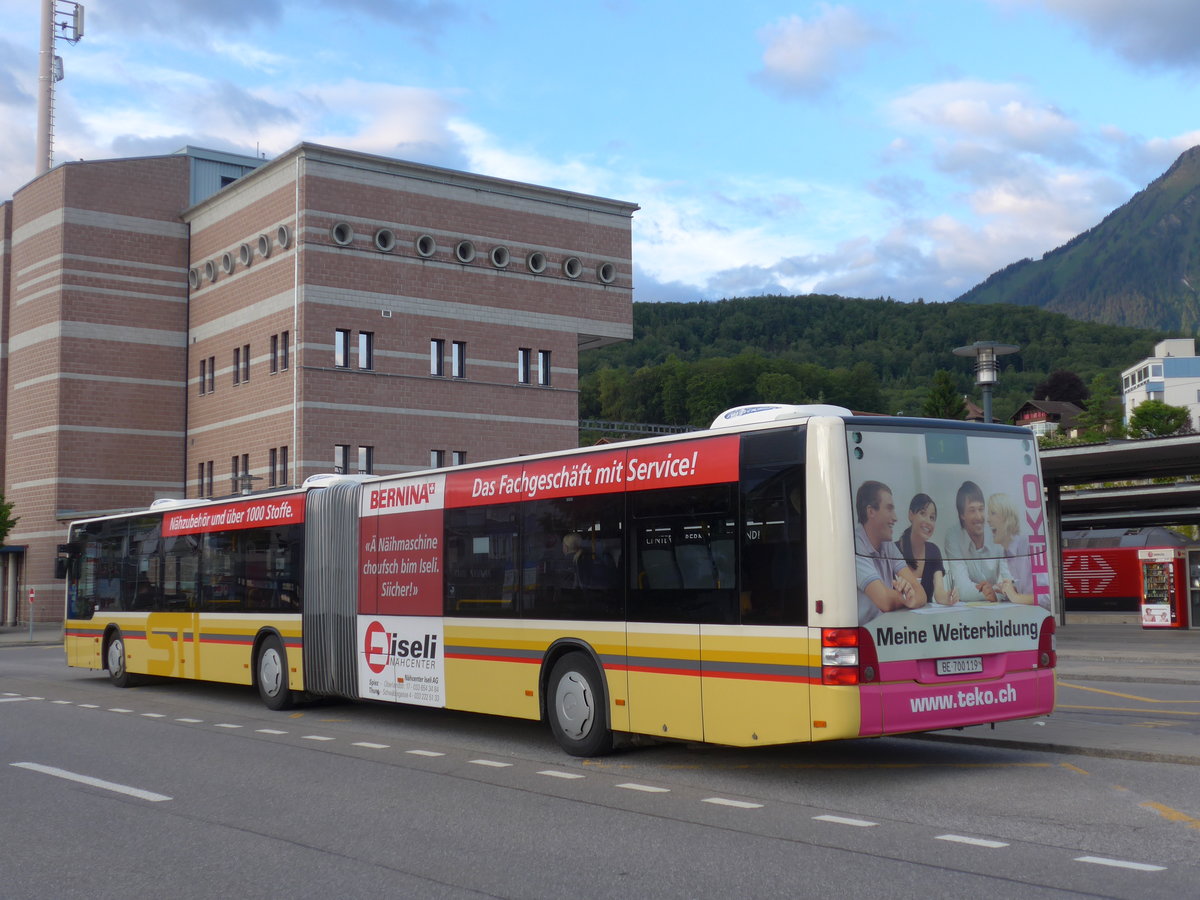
(197, 791)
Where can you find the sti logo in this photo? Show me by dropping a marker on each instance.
(382, 647)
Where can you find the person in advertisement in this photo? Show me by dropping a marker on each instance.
(978, 568)
(923, 556)
(1005, 526)
(885, 581)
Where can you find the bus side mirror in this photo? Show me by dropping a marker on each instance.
(67, 554)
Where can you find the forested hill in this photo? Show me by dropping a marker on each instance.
(689, 361)
(1140, 266)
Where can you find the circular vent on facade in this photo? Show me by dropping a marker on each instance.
(385, 240)
(464, 251)
(536, 262)
(572, 267)
(426, 246)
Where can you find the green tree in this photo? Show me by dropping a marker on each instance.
(7, 519)
(944, 400)
(1101, 416)
(1153, 418)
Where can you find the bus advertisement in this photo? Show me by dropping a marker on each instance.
(783, 577)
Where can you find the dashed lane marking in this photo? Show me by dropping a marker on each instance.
(736, 804)
(1120, 863)
(93, 782)
(842, 820)
(646, 788)
(974, 842)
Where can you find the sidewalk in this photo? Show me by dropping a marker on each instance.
(1120, 652)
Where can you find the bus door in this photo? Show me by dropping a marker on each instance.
(683, 578)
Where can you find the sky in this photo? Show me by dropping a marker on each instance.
(877, 148)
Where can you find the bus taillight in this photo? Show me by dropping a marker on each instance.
(1047, 645)
(847, 656)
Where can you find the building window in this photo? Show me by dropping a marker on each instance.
(208, 478)
(199, 479)
(524, 365)
(274, 353)
(237, 365)
(212, 374)
(366, 460)
(437, 357)
(458, 458)
(246, 472)
(203, 375)
(366, 349)
(233, 472)
(245, 362)
(284, 478)
(284, 347)
(341, 348)
(272, 463)
(458, 359)
(544, 368)
(437, 458)
(341, 456)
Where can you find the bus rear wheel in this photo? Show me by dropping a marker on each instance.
(576, 709)
(116, 663)
(271, 674)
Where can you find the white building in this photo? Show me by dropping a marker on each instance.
(1171, 375)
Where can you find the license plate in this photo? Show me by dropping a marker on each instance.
(963, 665)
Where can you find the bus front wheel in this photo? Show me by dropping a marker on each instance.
(576, 708)
(115, 662)
(272, 675)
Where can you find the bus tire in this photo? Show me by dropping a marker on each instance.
(271, 675)
(117, 662)
(576, 709)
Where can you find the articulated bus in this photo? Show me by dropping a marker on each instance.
(745, 585)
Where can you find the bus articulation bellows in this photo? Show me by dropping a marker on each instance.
(748, 585)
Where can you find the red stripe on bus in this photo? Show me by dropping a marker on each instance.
(489, 658)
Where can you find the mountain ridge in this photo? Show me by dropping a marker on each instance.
(1138, 267)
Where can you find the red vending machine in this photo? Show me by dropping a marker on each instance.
(1164, 588)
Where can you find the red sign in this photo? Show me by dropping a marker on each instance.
(240, 514)
(31, 595)
(644, 468)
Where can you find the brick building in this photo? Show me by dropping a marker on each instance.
(201, 323)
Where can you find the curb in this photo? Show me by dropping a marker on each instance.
(1065, 749)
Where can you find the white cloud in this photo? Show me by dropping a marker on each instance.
(1151, 33)
(994, 115)
(802, 56)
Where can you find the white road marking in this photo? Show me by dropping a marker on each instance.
(736, 804)
(119, 709)
(489, 762)
(225, 725)
(1120, 863)
(649, 789)
(842, 820)
(12, 699)
(424, 753)
(192, 721)
(94, 782)
(62, 702)
(316, 737)
(371, 746)
(554, 773)
(270, 731)
(974, 842)
(154, 715)
(89, 706)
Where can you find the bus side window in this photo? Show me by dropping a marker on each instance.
(774, 539)
(683, 542)
(572, 564)
(481, 563)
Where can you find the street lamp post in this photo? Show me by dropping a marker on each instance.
(986, 367)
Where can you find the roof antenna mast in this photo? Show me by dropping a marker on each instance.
(61, 19)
